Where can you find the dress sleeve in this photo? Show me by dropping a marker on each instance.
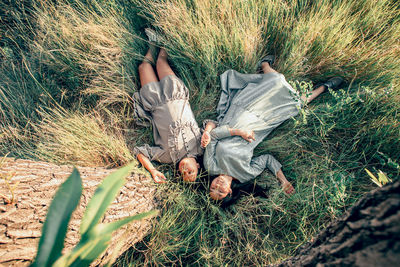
(223, 103)
(259, 163)
(151, 152)
(220, 132)
(209, 160)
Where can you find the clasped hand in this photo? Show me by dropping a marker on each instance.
(205, 139)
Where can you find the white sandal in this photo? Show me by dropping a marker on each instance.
(153, 36)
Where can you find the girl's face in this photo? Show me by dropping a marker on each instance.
(220, 187)
(189, 168)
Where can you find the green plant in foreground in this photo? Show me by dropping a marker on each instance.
(95, 236)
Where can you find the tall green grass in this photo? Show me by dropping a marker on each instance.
(87, 50)
(352, 38)
(79, 58)
(313, 39)
(85, 139)
(69, 69)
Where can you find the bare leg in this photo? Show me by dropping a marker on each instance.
(286, 185)
(146, 71)
(163, 68)
(316, 92)
(266, 68)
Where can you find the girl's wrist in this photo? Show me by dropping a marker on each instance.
(208, 129)
(235, 132)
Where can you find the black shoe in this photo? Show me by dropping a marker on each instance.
(333, 83)
(270, 59)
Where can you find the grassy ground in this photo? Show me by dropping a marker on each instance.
(69, 69)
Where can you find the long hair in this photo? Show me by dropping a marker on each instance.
(238, 189)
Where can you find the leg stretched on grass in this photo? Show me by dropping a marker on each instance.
(163, 68)
(146, 71)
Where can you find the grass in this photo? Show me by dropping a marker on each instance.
(69, 69)
(85, 139)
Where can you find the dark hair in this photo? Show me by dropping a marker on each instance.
(242, 188)
(197, 158)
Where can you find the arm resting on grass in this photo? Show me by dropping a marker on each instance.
(158, 177)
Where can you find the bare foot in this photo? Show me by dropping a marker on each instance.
(288, 188)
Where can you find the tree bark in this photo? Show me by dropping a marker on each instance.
(368, 234)
(21, 222)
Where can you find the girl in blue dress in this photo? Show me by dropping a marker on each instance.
(251, 106)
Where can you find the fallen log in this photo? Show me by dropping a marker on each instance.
(22, 220)
(368, 234)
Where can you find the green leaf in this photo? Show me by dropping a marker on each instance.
(96, 241)
(94, 249)
(55, 227)
(99, 236)
(104, 195)
(84, 253)
(119, 244)
(108, 228)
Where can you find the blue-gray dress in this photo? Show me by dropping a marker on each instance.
(258, 102)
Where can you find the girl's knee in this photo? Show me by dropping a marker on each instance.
(145, 66)
(161, 60)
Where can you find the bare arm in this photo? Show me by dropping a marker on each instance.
(245, 134)
(157, 175)
(286, 185)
